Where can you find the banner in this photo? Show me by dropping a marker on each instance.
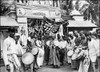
(38, 12)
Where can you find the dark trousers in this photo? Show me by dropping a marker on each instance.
(35, 65)
(47, 53)
(56, 57)
(98, 64)
(62, 55)
(75, 64)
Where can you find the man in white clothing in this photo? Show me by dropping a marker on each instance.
(9, 52)
(92, 51)
(23, 39)
(19, 48)
(97, 45)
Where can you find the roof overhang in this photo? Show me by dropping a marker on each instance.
(81, 24)
(7, 21)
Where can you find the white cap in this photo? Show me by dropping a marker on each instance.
(70, 32)
(17, 34)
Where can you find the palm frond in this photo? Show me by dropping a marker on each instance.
(89, 10)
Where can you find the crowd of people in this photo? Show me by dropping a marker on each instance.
(80, 49)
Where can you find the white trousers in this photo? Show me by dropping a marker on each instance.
(14, 63)
(40, 57)
(12, 68)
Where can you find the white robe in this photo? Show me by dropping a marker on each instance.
(40, 57)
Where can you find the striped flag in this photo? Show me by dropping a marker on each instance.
(48, 27)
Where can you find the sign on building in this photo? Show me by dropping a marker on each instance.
(38, 12)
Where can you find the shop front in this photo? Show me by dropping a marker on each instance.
(32, 17)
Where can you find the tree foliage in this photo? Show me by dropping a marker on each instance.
(92, 12)
(5, 6)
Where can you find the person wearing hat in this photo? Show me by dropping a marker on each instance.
(19, 48)
(9, 52)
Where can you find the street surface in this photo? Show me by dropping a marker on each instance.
(65, 68)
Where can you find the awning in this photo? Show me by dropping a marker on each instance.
(81, 24)
(7, 21)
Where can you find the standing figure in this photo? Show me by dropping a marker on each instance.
(23, 39)
(18, 46)
(40, 56)
(19, 50)
(34, 50)
(98, 51)
(70, 46)
(77, 42)
(48, 51)
(84, 55)
(62, 50)
(56, 56)
(9, 52)
(51, 52)
(92, 52)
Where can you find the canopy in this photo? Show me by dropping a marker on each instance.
(7, 21)
(81, 24)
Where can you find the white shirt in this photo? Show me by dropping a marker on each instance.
(56, 42)
(97, 44)
(92, 47)
(62, 44)
(19, 49)
(9, 47)
(48, 42)
(92, 50)
(23, 38)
